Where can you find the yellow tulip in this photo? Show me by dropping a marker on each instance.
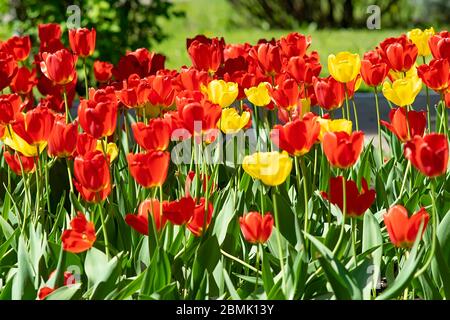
(272, 168)
(231, 122)
(110, 148)
(328, 125)
(345, 66)
(221, 92)
(420, 39)
(14, 141)
(259, 95)
(395, 75)
(402, 92)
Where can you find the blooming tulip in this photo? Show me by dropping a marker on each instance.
(19, 47)
(10, 107)
(82, 41)
(402, 92)
(62, 141)
(272, 168)
(401, 122)
(197, 223)
(8, 69)
(435, 75)
(206, 54)
(149, 169)
(294, 44)
(420, 39)
(373, 74)
(268, 57)
(329, 93)
(221, 92)
(180, 211)
(341, 149)
(80, 237)
(286, 93)
(258, 95)
(440, 45)
(24, 81)
(403, 230)
(357, 202)
(18, 162)
(304, 69)
(154, 136)
(103, 71)
(59, 66)
(345, 66)
(231, 122)
(256, 228)
(399, 53)
(139, 221)
(45, 291)
(428, 154)
(328, 125)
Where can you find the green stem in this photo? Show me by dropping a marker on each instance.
(305, 193)
(346, 101)
(353, 222)
(257, 266)
(280, 250)
(66, 104)
(344, 214)
(407, 170)
(38, 184)
(245, 264)
(105, 233)
(428, 102)
(85, 78)
(356, 114)
(380, 142)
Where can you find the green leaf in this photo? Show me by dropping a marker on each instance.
(231, 289)
(64, 293)
(267, 274)
(371, 238)
(23, 283)
(226, 214)
(208, 254)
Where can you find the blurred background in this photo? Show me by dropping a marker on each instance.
(163, 25)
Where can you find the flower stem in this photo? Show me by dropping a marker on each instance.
(356, 114)
(380, 142)
(428, 102)
(66, 104)
(257, 266)
(280, 250)
(353, 222)
(344, 213)
(85, 78)
(105, 233)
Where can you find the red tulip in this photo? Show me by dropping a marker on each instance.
(436, 74)
(35, 126)
(92, 176)
(403, 230)
(296, 137)
(163, 92)
(180, 211)
(59, 66)
(428, 154)
(154, 136)
(135, 92)
(62, 141)
(82, 41)
(98, 115)
(357, 202)
(139, 222)
(24, 81)
(330, 93)
(372, 73)
(440, 45)
(197, 223)
(19, 47)
(286, 93)
(149, 169)
(447, 99)
(8, 69)
(294, 44)
(206, 54)
(103, 71)
(416, 122)
(141, 62)
(45, 291)
(80, 237)
(85, 143)
(304, 69)
(201, 118)
(27, 164)
(50, 37)
(10, 107)
(192, 79)
(256, 228)
(268, 58)
(399, 53)
(235, 50)
(341, 149)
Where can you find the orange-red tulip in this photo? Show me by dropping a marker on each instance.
(162, 92)
(268, 58)
(400, 122)
(286, 93)
(139, 221)
(357, 202)
(440, 45)
(62, 141)
(8, 69)
(179, 211)
(192, 79)
(92, 176)
(304, 69)
(19, 47)
(149, 169)
(256, 228)
(45, 291)
(98, 115)
(59, 66)
(10, 107)
(50, 37)
(206, 54)
(85, 143)
(428, 154)
(436, 74)
(341, 149)
(27, 164)
(330, 93)
(197, 223)
(80, 237)
(373, 69)
(103, 71)
(403, 230)
(82, 41)
(24, 81)
(296, 137)
(154, 136)
(400, 53)
(294, 44)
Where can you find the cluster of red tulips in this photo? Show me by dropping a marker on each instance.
(116, 140)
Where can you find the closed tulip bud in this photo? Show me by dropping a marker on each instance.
(10, 107)
(373, 74)
(268, 57)
(162, 92)
(304, 68)
(149, 169)
(221, 92)
(258, 95)
(85, 143)
(420, 39)
(197, 223)
(330, 93)
(62, 141)
(139, 221)
(345, 66)
(272, 168)
(403, 230)
(402, 92)
(357, 202)
(82, 41)
(256, 228)
(400, 54)
(286, 93)
(80, 237)
(414, 121)
(231, 122)
(328, 125)
(294, 44)
(92, 176)
(296, 137)
(19, 163)
(428, 154)
(435, 75)
(341, 149)
(440, 45)
(153, 136)
(206, 54)
(59, 66)
(103, 71)
(180, 211)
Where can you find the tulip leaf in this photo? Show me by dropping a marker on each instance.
(64, 293)
(23, 283)
(372, 238)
